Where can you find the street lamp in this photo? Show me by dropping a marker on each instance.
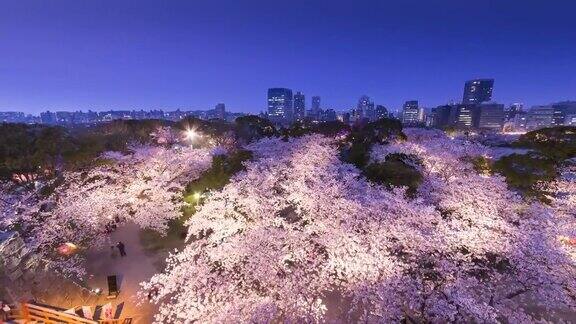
(191, 134)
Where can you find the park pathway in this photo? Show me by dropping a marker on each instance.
(136, 267)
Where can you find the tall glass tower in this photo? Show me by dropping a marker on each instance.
(280, 103)
(478, 91)
(299, 106)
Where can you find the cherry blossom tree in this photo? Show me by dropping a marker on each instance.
(144, 187)
(302, 236)
(165, 135)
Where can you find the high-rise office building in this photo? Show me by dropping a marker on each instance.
(365, 108)
(299, 106)
(520, 120)
(442, 115)
(540, 117)
(329, 115)
(411, 113)
(561, 111)
(316, 104)
(280, 104)
(464, 116)
(512, 111)
(478, 91)
(491, 116)
(220, 111)
(48, 117)
(381, 112)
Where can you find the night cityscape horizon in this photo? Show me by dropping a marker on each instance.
(63, 57)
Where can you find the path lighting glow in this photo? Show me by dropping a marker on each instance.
(191, 134)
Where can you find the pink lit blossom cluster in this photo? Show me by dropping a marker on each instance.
(302, 237)
(144, 187)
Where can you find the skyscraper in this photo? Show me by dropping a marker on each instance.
(381, 112)
(465, 116)
(561, 111)
(280, 104)
(220, 111)
(365, 108)
(491, 116)
(540, 117)
(512, 111)
(478, 91)
(442, 115)
(411, 113)
(315, 104)
(299, 106)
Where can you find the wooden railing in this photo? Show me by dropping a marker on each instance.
(30, 312)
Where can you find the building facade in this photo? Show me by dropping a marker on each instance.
(442, 116)
(220, 111)
(411, 113)
(540, 117)
(491, 116)
(464, 116)
(299, 106)
(316, 104)
(478, 91)
(365, 108)
(280, 104)
(381, 112)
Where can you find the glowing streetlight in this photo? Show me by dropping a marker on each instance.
(191, 134)
(197, 197)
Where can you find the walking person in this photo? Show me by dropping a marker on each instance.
(4, 311)
(121, 248)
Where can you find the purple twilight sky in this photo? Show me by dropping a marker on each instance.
(143, 54)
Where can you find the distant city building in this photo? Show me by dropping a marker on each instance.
(365, 108)
(513, 110)
(220, 111)
(561, 111)
(442, 116)
(329, 115)
(540, 117)
(381, 112)
(12, 117)
(491, 116)
(64, 117)
(299, 106)
(478, 91)
(316, 104)
(464, 116)
(346, 118)
(280, 104)
(520, 120)
(80, 117)
(48, 117)
(570, 120)
(411, 113)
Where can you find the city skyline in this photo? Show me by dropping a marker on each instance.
(70, 55)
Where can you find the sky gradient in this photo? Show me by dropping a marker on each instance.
(142, 54)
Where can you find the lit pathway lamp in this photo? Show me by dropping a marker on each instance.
(192, 135)
(197, 197)
(67, 249)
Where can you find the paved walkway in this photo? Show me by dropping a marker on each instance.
(138, 266)
(131, 270)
